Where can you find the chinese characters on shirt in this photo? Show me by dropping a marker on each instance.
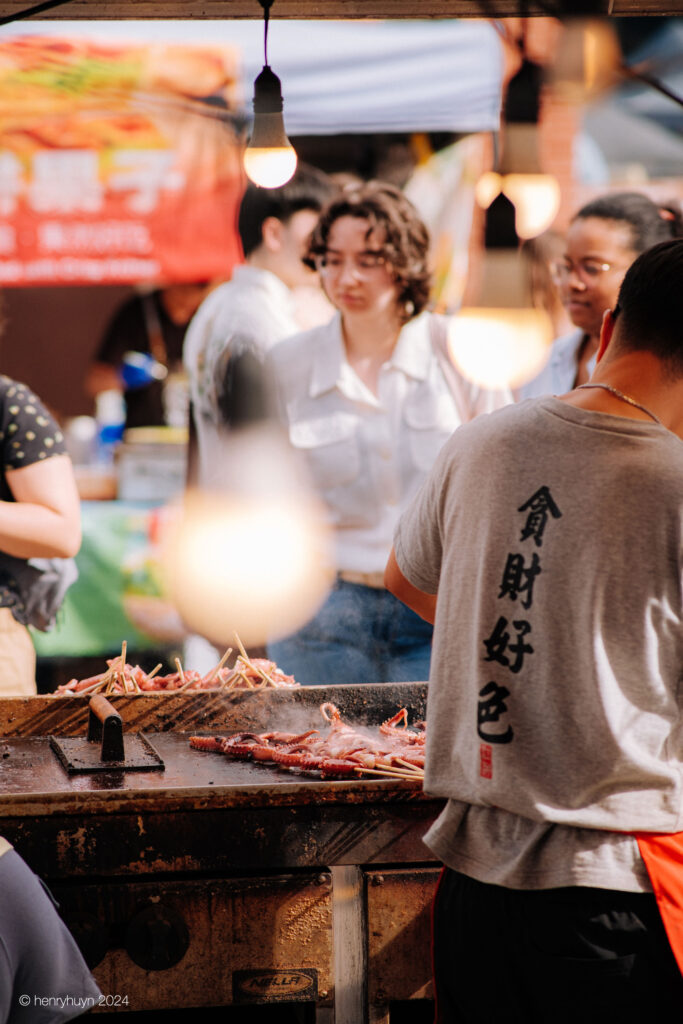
(509, 642)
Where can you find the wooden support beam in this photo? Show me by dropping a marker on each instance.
(333, 9)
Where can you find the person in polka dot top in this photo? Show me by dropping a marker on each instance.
(39, 517)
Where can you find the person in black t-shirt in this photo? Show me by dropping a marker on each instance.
(153, 323)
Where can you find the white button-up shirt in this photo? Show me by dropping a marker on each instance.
(368, 454)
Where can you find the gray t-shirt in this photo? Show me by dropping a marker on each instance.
(43, 976)
(554, 536)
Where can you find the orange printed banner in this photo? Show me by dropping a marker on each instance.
(118, 163)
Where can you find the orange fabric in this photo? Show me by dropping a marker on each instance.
(663, 857)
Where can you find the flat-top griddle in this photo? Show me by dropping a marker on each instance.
(210, 858)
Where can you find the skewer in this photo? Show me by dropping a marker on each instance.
(241, 647)
(183, 684)
(93, 688)
(410, 767)
(245, 679)
(264, 676)
(151, 675)
(121, 673)
(119, 677)
(118, 673)
(119, 670)
(411, 776)
(214, 672)
(229, 681)
(136, 688)
(110, 676)
(417, 772)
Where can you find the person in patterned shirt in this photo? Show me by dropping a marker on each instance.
(39, 518)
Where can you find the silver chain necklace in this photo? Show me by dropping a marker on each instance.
(624, 398)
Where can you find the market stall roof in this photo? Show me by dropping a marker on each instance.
(636, 125)
(314, 9)
(347, 78)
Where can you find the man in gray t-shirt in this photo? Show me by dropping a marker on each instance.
(553, 533)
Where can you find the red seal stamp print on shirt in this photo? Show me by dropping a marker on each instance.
(485, 761)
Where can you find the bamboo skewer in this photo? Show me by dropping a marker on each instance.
(409, 766)
(94, 687)
(397, 769)
(264, 676)
(131, 678)
(214, 672)
(387, 774)
(229, 681)
(150, 675)
(111, 677)
(241, 647)
(122, 678)
(183, 685)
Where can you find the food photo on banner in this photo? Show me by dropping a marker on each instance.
(114, 160)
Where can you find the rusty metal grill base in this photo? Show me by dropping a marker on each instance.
(266, 870)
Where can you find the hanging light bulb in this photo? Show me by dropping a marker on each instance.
(269, 159)
(587, 60)
(252, 553)
(536, 196)
(501, 340)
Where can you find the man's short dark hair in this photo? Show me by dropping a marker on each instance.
(649, 305)
(309, 189)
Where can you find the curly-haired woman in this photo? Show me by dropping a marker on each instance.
(369, 399)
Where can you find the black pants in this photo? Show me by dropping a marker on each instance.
(552, 956)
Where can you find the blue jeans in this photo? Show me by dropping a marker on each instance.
(360, 635)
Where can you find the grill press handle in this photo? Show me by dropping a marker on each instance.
(104, 723)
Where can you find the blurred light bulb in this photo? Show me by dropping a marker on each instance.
(587, 59)
(252, 556)
(536, 196)
(536, 199)
(269, 159)
(499, 348)
(487, 188)
(501, 340)
(270, 167)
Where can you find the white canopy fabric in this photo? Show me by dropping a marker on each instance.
(343, 77)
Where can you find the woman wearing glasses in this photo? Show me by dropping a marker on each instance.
(602, 242)
(366, 401)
